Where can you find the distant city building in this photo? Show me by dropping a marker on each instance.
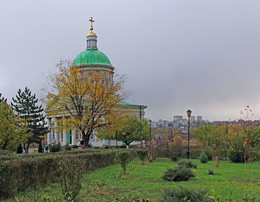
(170, 123)
(154, 124)
(176, 124)
(192, 119)
(199, 120)
(165, 123)
(177, 118)
(184, 122)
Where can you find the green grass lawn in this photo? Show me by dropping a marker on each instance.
(144, 182)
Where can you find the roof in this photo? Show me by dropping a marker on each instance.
(125, 103)
(92, 57)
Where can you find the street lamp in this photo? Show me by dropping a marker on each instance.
(188, 114)
(150, 122)
(116, 139)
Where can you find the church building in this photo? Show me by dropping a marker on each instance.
(89, 60)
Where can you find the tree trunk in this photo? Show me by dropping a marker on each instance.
(86, 138)
(24, 147)
(5, 145)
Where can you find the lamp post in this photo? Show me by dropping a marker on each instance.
(188, 114)
(116, 139)
(150, 122)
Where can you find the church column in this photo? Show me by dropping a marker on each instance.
(55, 130)
(65, 135)
(49, 133)
(73, 137)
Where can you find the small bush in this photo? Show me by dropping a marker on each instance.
(47, 198)
(176, 151)
(255, 155)
(70, 172)
(194, 152)
(182, 194)
(55, 147)
(237, 152)
(142, 155)
(6, 153)
(67, 147)
(203, 158)
(209, 152)
(187, 164)
(123, 158)
(163, 152)
(179, 173)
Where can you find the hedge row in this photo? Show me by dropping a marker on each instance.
(19, 174)
(7, 155)
(11, 156)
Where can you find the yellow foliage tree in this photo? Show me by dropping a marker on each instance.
(90, 100)
(13, 130)
(214, 136)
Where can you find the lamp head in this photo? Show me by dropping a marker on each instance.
(189, 113)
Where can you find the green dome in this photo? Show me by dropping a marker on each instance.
(92, 57)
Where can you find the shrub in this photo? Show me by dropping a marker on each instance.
(67, 147)
(163, 152)
(123, 158)
(194, 152)
(255, 154)
(179, 173)
(6, 153)
(236, 154)
(176, 151)
(203, 158)
(184, 194)
(187, 164)
(142, 154)
(209, 152)
(70, 174)
(55, 147)
(47, 198)
(19, 149)
(224, 154)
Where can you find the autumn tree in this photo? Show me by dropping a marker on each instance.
(89, 99)
(249, 133)
(26, 106)
(175, 148)
(214, 136)
(13, 130)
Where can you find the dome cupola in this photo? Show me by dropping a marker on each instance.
(92, 58)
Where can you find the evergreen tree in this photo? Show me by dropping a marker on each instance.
(2, 99)
(25, 105)
(40, 147)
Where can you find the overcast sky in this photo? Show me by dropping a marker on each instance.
(177, 54)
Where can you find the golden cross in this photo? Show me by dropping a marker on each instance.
(91, 26)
